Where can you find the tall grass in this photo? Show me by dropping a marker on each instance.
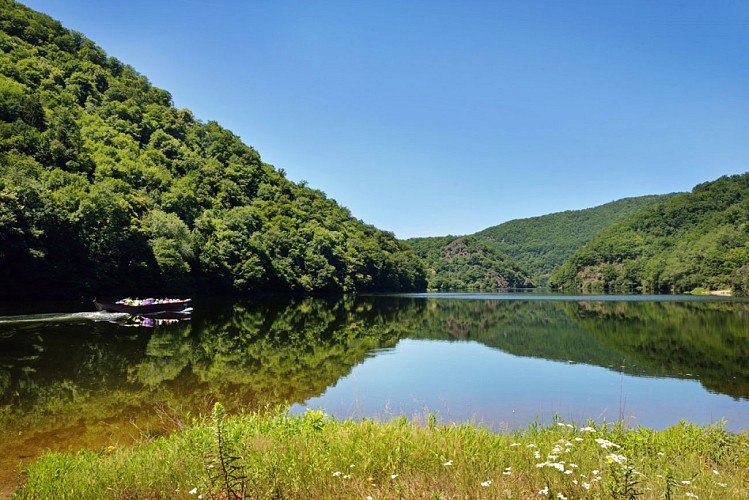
(277, 455)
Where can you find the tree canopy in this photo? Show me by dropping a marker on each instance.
(518, 253)
(468, 263)
(696, 240)
(106, 187)
(541, 244)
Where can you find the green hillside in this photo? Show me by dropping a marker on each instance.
(521, 252)
(541, 244)
(693, 240)
(468, 263)
(105, 187)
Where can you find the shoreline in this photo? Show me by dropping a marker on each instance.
(315, 456)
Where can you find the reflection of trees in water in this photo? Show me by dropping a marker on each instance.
(539, 329)
(249, 354)
(272, 353)
(246, 354)
(708, 340)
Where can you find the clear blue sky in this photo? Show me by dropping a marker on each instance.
(434, 117)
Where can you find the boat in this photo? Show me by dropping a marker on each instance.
(143, 306)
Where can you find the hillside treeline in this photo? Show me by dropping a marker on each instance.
(542, 244)
(696, 240)
(518, 253)
(105, 187)
(468, 263)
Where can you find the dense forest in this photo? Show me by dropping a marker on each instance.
(519, 253)
(542, 244)
(468, 263)
(697, 240)
(105, 187)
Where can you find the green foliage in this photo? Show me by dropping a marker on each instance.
(542, 244)
(693, 240)
(307, 456)
(468, 263)
(520, 252)
(226, 476)
(105, 187)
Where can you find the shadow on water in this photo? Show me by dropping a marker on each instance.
(87, 379)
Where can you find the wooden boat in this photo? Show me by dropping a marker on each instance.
(146, 306)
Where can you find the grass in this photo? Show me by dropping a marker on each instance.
(278, 455)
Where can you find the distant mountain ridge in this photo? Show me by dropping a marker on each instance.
(541, 244)
(523, 251)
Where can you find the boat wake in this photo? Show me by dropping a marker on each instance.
(36, 318)
(98, 316)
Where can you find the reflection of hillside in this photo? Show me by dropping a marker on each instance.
(702, 339)
(277, 354)
(524, 328)
(245, 354)
(252, 354)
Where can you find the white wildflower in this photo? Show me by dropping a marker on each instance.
(587, 429)
(560, 496)
(613, 457)
(687, 482)
(716, 472)
(690, 495)
(544, 491)
(486, 483)
(448, 463)
(193, 491)
(605, 443)
(337, 473)
(586, 486)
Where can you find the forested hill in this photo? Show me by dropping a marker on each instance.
(521, 252)
(694, 240)
(105, 187)
(541, 244)
(468, 263)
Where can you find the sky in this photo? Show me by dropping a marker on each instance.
(428, 118)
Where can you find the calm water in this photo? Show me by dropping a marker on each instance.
(503, 360)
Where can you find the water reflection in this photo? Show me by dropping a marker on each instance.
(72, 381)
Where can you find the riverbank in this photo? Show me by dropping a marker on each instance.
(278, 455)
